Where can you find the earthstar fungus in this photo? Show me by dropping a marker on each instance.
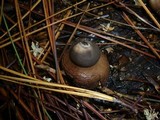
(86, 64)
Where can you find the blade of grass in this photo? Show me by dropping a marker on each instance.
(14, 47)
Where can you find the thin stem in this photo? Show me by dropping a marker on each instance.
(14, 47)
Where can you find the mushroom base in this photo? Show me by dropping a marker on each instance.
(87, 77)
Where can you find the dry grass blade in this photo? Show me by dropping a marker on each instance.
(65, 89)
(36, 83)
(58, 88)
(149, 13)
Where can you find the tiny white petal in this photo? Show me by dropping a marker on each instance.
(47, 79)
(151, 114)
(36, 50)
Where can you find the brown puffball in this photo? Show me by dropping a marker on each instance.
(155, 5)
(86, 75)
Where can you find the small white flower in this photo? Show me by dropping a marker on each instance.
(151, 114)
(36, 50)
(47, 79)
(106, 27)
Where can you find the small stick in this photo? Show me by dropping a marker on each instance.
(128, 20)
(149, 13)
